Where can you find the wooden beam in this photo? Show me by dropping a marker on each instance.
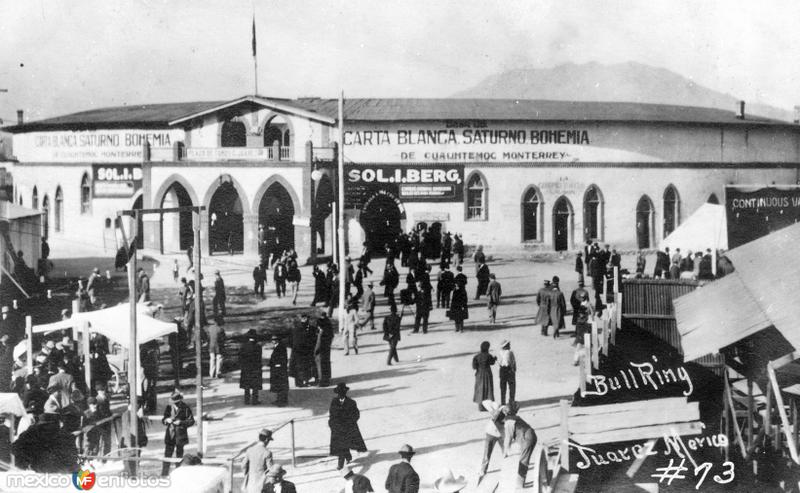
(729, 402)
(632, 419)
(644, 405)
(595, 346)
(564, 432)
(782, 412)
(639, 433)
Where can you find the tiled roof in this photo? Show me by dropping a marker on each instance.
(383, 110)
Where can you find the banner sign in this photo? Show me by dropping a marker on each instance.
(422, 183)
(756, 212)
(80, 146)
(116, 180)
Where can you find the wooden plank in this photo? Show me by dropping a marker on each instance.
(564, 432)
(595, 347)
(639, 433)
(782, 412)
(606, 338)
(648, 316)
(729, 401)
(649, 404)
(567, 483)
(632, 419)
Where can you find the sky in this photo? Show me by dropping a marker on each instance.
(59, 57)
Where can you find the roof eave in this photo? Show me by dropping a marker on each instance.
(268, 103)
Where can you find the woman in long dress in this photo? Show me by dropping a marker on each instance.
(484, 382)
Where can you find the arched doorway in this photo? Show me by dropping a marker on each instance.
(233, 134)
(176, 229)
(531, 215)
(380, 219)
(644, 222)
(225, 220)
(321, 215)
(276, 213)
(562, 224)
(671, 210)
(592, 214)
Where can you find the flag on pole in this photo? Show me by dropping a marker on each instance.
(254, 36)
(125, 250)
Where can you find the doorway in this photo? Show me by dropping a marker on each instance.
(177, 233)
(225, 220)
(531, 215)
(380, 219)
(562, 219)
(644, 220)
(276, 213)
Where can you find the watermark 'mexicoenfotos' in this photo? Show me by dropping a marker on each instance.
(84, 479)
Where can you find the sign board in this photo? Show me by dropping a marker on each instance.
(116, 180)
(422, 183)
(107, 146)
(753, 212)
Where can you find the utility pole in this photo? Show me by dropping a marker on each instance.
(133, 352)
(340, 179)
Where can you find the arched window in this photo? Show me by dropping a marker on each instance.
(59, 210)
(671, 210)
(592, 214)
(712, 199)
(476, 198)
(234, 134)
(86, 194)
(35, 198)
(46, 216)
(532, 215)
(644, 222)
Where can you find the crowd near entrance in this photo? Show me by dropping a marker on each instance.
(380, 219)
(276, 213)
(226, 220)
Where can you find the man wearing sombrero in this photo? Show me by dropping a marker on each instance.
(275, 482)
(343, 421)
(448, 483)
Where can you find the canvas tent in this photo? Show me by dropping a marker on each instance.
(759, 293)
(705, 228)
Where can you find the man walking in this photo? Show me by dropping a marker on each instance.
(445, 286)
(250, 378)
(322, 350)
(259, 279)
(402, 478)
(558, 307)
(257, 461)
(218, 302)
(391, 334)
(493, 291)
(279, 276)
(343, 417)
(279, 373)
(422, 298)
(482, 276)
(579, 266)
(216, 341)
(508, 372)
(543, 302)
(369, 306)
(389, 282)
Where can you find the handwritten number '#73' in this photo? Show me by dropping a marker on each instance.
(706, 466)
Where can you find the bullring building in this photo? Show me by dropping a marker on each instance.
(506, 174)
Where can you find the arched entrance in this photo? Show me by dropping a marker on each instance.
(176, 229)
(276, 213)
(380, 219)
(225, 220)
(562, 224)
(644, 222)
(531, 215)
(321, 215)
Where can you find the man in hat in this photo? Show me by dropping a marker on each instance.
(218, 302)
(351, 324)
(579, 266)
(279, 372)
(423, 303)
(343, 419)
(216, 343)
(390, 280)
(391, 334)
(355, 483)
(482, 275)
(402, 478)
(275, 482)
(250, 378)
(177, 419)
(493, 434)
(259, 279)
(322, 349)
(448, 483)
(508, 372)
(92, 285)
(369, 306)
(493, 293)
(558, 307)
(257, 461)
(543, 302)
(279, 274)
(581, 318)
(519, 431)
(62, 381)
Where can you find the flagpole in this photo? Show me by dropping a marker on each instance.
(340, 210)
(255, 56)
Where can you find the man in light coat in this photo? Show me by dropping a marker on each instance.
(257, 461)
(369, 307)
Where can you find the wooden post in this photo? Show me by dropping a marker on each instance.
(605, 289)
(29, 349)
(340, 226)
(587, 347)
(619, 310)
(606, 329)
(294, 457)
(564, 432)
(197, 330)
(616, 279)
(784, 424)
(749, 413)
(87, 356)
(133, 346)
(595, 343)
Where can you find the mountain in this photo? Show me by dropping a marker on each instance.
(628, 82)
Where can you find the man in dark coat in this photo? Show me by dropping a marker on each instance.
(458, 249)
(706, 262)
(445, 286)
(423, 302)
(250, 378)
(218, 302)
(389, 282)
(343, 421)
(483, 279)
(391, 334)
(322, 350)
(304, 338)
(662, 264)
(579, 266)
(46, 447)
(279, 373)
(279, 276)
(543, 302)
(259, 279)
(177, 419)
(402, 478)
(320, 293)
(558, 307)
(6, 362)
